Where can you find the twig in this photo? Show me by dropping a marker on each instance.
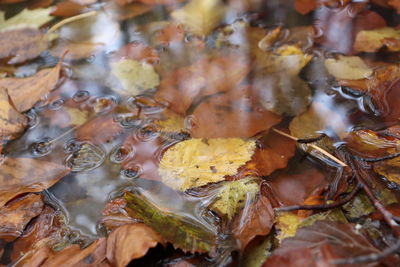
(392, 156)
(324, 152)
(370, 257)
(68, 20)
(323, 206)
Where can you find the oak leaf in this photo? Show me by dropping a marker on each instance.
(200, 16)
(15, 215)
(25, 92)
(197, 162)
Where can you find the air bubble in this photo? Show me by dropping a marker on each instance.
(131, 172)
(42, 147)
(119, 154)
(87, 158)
(56, 104)
(146, 133)
(81, 96)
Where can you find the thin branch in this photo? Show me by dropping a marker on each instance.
(311, 140)
(370, 257)
(336, 204)
(324, 152)
(68, 20)
(392, 156)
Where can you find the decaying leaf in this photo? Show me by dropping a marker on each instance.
(22, 175)
(16, 215)
(22, 44)
(133, 77)
(373, 40)
(76, 50)
(197, 162)
(184, 231)
(256, 218)
(200, 16)
(26, 18)
(128, 242)
(328, 240)
(287, 223)
(234, 195)
(11, 121)
(351, 68)
(36, 87)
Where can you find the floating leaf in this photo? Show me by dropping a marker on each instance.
(197, 162)
(133, 76)
(36, 86)
(351, 68)
(200, 16)
(372, 41)
(184, 232)
(16, 215)
(233, 196)
(128, 242)
(26, 18)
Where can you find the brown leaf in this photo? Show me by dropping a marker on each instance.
(34, 4)
(136, 51)
(99, 130)
(131, 241)
(230, 115)
(22, 175)
(16, 215)
(257, 218)
(76, 50)
(25, 92)
(44, 231)
(11, 121)
(67, 8)
(20, 45)
(322, 242)
(205, 77)
(395, 4)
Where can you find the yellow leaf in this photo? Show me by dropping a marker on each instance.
(200, 16)
(133, 76)
(233, 195)
(197, 162)
(371, 41)
(27, 18)
(172, 124)
(350, 68)
(77, 116)
(287, 223)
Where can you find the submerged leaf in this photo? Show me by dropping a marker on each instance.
(373, 40)
(200, 16)
(133, 76)
(352, 68)
(183, 231)
(197, 162)
(26, 18)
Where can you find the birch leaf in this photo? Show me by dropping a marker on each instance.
(133, 76)
(197, 162)
(27, 18)
(200, 16)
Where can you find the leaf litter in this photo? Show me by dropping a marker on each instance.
(172, 132)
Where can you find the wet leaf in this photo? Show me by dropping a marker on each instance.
(138, 52)
(76, 50)
(99, 129)
(12, 122)
(172, 124)
(128, 242)
(197, 162)
(15, 215)
(184, 232)
(22, 175)
(26, 18)
(126, 11)
(23, 44)
(133, 76)
(328, 240)
(200, 16)
(351, 68)
(256, 254)
(36, 86)
(234, 195)
(287, 223)
(257, 218)
(67, 8)
(372, 41)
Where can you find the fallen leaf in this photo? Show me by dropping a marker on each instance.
(26, 18)
(15, 215)
(128, 242)
(328, 240)
(100, 129)
(126, 11)
(234, 195)
(67, 8)
(36, 87)
(12, 121)
(23, 175)
(351, 68)
(133, 77)
(197, 162)
(184, 231)
(287, 223)
(229, 115)
(35, 4)
(138, 52)
(114, 215)
(256, 218)
(395, 4)
(20, 45)
(76, 50)
(206, 77)
(373, 40)
(172, 124)
(200, 16)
